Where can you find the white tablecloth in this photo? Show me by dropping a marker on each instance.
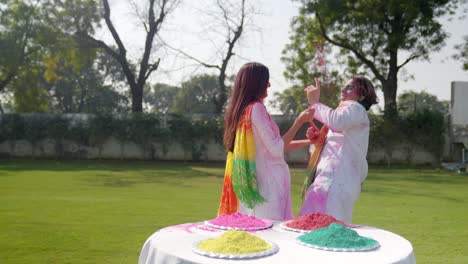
(174, 245)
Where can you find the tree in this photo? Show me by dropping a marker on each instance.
(232, 19)
(28, 95)
(160, 99)
(20, 31)
(463, 53)
(82, 81)
(374, 34)
(45, 63)
(195, 95)
(411, 102)
(152, 23)
(305, 57)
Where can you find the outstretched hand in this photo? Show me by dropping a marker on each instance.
(313, 92)
(306, 116)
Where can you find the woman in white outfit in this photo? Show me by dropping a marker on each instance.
(342, 166)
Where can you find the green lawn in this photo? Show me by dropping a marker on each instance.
(102, 211)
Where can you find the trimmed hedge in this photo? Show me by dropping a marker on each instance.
(146, 130)
(154, 133)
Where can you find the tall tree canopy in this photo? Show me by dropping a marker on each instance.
(156, 13)
(43, 68)
(380, 36)
(21, 47)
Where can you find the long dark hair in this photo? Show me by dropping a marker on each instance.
(250, 85)
(366, 89)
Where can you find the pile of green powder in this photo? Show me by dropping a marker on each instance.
(234, 242)
(339, 237)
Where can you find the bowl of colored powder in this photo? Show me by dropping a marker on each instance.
(238, 221)
(309, 222)
(235, 244)
(337, 237)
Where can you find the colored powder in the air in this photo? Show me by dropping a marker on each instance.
(238, 220)
(234, 242)
(313, 221)
(337, 236)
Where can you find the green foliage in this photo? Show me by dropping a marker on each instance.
(79, 131)
(193, 135)
(384, 134)
(78, 81)
(148, 131)
(35, 129)
(57, 130)
(100, 127)
(305, 58)
(197, 95)
(370, 35)
(12, 129)
(424, 129)
(463, 53)
(21, 27)
(160, 97)
(410, 102)
(28, 95)
(43, 65)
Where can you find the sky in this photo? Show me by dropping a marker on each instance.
(189, 29)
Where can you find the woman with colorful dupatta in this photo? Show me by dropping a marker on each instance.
(257, 179)
(342, 164)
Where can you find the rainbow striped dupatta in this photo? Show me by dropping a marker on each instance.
(313, 161)
(240, 179)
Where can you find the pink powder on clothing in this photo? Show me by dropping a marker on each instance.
(238, 220)
(313, 221)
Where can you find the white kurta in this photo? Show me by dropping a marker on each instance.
(274, 180)
(342, 166)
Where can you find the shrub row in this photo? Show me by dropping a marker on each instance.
(145, 130)
(424, 129)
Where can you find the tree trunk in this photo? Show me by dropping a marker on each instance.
(137, 98)
(390, 87)
(221, 99)
(390, 105)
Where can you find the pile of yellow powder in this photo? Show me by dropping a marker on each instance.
(234, 242)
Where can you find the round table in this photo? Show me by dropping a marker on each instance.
(174, 245)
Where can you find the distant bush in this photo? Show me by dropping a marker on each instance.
(424, 128)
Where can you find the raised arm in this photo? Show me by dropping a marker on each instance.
(348, 114)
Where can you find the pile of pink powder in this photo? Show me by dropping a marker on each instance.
(313, 221)
(238, 220)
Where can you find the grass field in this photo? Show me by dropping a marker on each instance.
(103, 211)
